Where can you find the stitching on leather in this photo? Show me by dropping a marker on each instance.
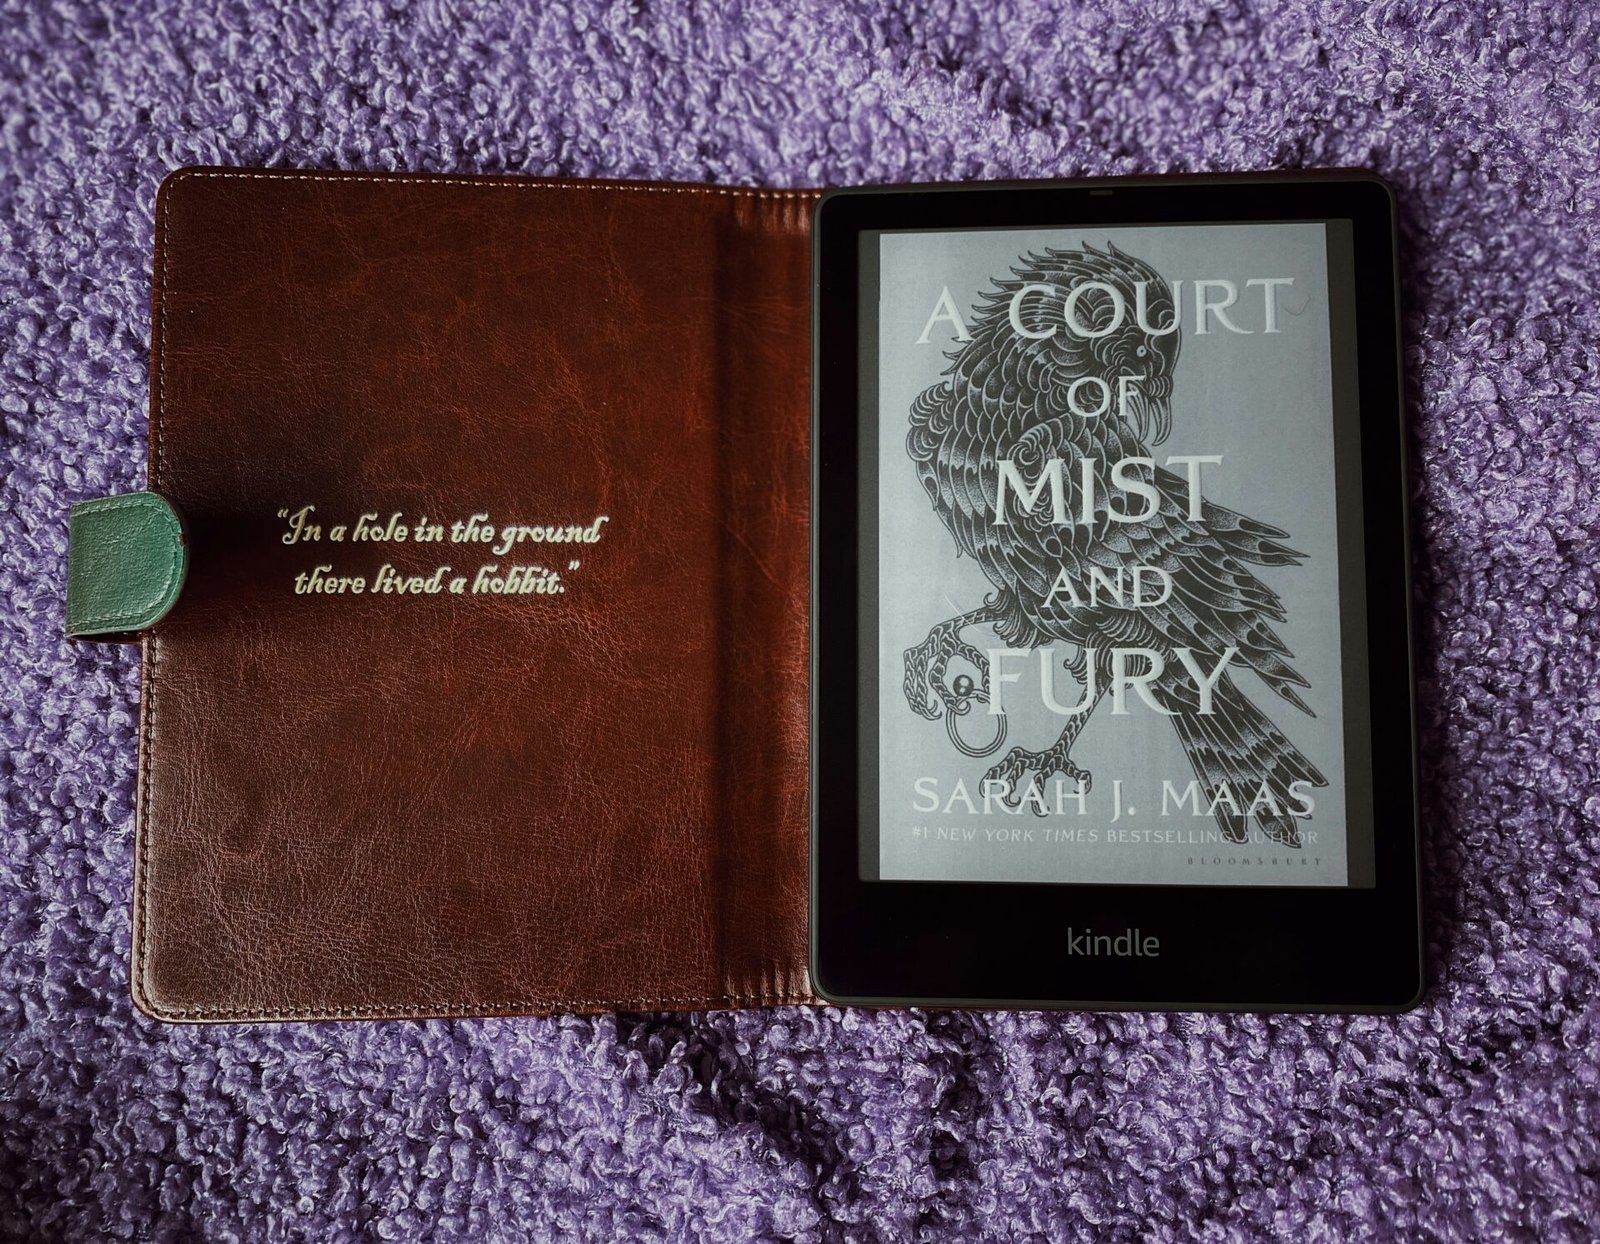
(152, 644)
(135, 502)
(484, 1010)
(398, 1010)
(147, 734)
(496, 182)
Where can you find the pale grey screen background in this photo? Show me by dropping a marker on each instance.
(1265, 403)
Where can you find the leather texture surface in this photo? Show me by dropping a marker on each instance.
(378, 805)
(126, 561)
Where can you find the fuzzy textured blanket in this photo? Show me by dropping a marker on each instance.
(1473, 1118)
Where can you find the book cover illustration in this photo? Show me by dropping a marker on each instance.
(1106, 472)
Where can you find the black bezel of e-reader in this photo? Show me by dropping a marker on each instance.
(978, 944)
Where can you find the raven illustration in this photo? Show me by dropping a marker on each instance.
(1008, 394)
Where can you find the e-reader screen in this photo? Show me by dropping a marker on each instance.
(1111, 575)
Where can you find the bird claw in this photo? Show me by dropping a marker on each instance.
(1020, 760)
(926, 664)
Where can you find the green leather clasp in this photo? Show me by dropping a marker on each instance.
(126, 559)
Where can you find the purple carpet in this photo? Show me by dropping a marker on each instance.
(1474, 1118)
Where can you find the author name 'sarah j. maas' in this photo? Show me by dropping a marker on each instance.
(932, 794)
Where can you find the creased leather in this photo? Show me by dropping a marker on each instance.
(369, 806)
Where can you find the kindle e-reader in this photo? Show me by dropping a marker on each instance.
(1112, 695)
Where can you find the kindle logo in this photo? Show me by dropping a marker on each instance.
(1129, 944)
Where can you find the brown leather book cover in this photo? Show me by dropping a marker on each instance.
(486, 692)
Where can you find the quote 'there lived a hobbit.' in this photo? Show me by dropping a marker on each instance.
(478, 557)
